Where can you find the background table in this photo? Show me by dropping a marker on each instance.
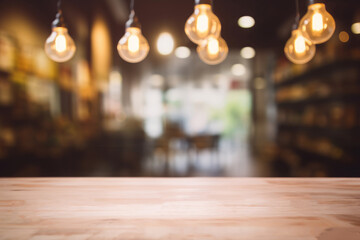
(179, 208)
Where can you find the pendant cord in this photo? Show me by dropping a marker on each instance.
(132, 3)
(59, 5)
(59, 20)
(297, 16)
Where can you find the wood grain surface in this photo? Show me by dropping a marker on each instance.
(179, 208)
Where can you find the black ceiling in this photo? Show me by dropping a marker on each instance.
(170, 15)
(270, 16)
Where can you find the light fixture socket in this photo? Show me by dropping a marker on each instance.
(296, 22)
(314, 1)
(197, 2)
(59, 20)
(133, 21)
(295, 25)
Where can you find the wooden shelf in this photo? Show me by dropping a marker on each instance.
(342, 141)
(341, 136)
(318, 71)
(320, 100)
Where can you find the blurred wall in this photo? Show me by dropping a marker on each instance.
(101, 49)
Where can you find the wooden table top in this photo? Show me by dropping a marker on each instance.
(179, 208)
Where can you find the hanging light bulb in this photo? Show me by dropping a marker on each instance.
(213, 50)
(317, 24)
(133, 46)
(299, 49)
(59, 46)
(202, 23)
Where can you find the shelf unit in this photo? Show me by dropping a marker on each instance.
(319, 70)
(318, 127)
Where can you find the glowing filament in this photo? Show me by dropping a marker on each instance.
(317, 22)
(300, 46)
(213, 47)
(134, 44)
(202, 24)
(60, 43)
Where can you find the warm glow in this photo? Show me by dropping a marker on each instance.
(355, 28)
(238, 69)
(202, 24)
(213, 47)
(59, 46)
(343, 36)
(247, 52)
(101, 48)
(165, 43)
(317, 25)
(182, 52)
(246, 22)
(134, 44)
(259, 83)
(213, 51)
(317, 22)
(60, 43)
(299, 49)
(300, 45)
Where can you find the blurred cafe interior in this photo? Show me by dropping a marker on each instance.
(257, 110)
